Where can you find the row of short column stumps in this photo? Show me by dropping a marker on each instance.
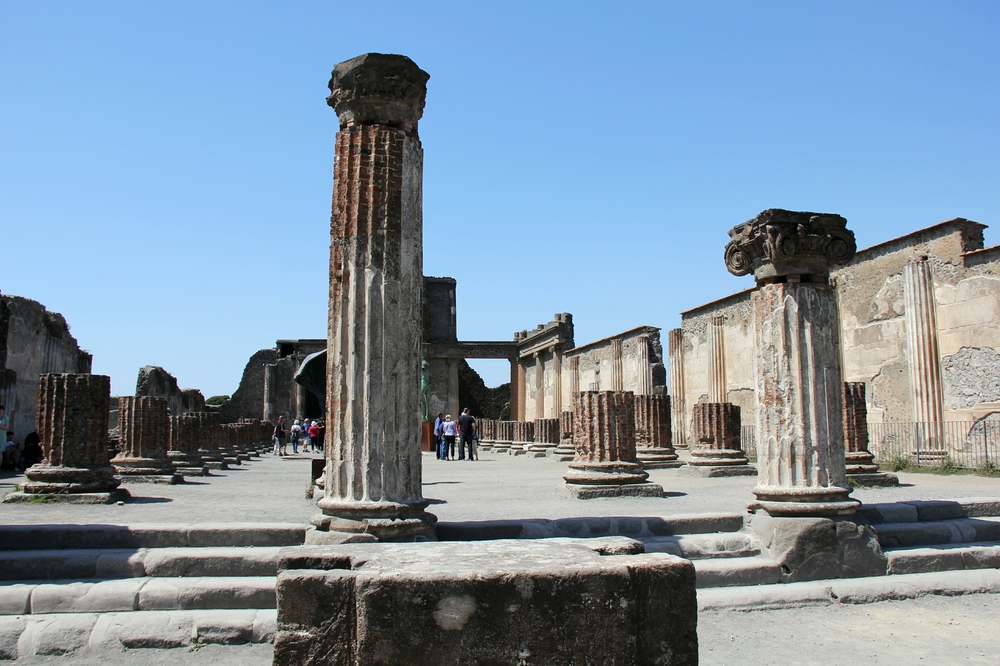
(154, 447)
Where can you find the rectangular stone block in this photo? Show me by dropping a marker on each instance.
(491, 602)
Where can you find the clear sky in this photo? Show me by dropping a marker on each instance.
(166, 167)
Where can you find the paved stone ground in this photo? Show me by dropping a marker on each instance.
(495, 487)
(929, 630)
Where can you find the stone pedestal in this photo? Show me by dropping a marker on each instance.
(144, 434)
(505, 437)
(546, 434)
(534, 602)
(227, 444)
(859, 461)
(604, 434)
(565, 451)
(523, 438)
(799, 392)
(183, 452)
(653, 442)
(72, 422)
(209, 434)
(718, 450)
(374, 346)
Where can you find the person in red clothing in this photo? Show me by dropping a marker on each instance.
(314, 433)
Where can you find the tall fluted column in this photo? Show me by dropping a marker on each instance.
(539, 385)
(574, 377)
(144, 424)
(653, 441)
(616, 365)
(72, 422)
(678, 411)
(860, 463)
(514, 397)
(373, 482)
(717, 361)
(926, 386)
(522, 392)
(643, 368)
(604, 434)
(800, 437)
(556, 382)
(270, 410)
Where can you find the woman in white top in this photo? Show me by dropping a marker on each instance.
(450, 430)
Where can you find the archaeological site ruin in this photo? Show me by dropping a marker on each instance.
(611, 492)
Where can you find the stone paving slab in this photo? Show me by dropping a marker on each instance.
(497, 487)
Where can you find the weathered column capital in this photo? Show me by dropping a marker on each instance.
(779, 243)
(378, 89)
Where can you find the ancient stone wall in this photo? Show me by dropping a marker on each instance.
(155, 382)
(482, 401)
(33, 341)
(248, 399)
(875, 350)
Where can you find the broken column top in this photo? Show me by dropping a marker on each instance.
(376, 88)
(779, 243)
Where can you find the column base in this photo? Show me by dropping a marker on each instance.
(718, 457)
(112, 497)
(880, 479)
(50, 480)
(829, 501)
(595, 491)
(191, 471)
(654, 458)
(716, 471)
(605, 474)
(382, 521)
(171, 479)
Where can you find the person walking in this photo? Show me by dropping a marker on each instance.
(450, 430)
(467, 426)
(439, 436)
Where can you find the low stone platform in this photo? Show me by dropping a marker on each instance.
(500, 602)
(119, 495)
(585, 492)
(716, 471)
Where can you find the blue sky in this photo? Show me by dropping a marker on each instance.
(166, 168)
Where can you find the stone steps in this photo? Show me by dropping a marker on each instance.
(948, 557)
(927, 533)
(24, 636)
(96, 563)
(737, 571)
(137, 594)
(152, 535)
(705, 546)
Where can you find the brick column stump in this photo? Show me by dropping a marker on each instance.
(859, 461)
(653, 437)
(144, 427)
(183, 452)
(717, 449)
(72, 422)
(565, 451)
(605, 464)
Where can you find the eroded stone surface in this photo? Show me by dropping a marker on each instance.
(502, 602)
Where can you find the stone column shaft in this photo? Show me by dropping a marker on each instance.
(644, 369)
(616, 365)
(926, 386)
(374, 345)
(556, 383)
(515, 398)
(144, 427)
(717, 361)
(522, 392)
(678, 412)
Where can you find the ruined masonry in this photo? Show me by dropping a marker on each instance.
(373, 479)
(73, 426)
(144, 426)
(604, 433)
(718, 449)
(653, 440)
(859, 461)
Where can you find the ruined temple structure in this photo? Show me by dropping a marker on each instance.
(917, 325)
(374, 344)
(73, 426)
(33, 341)
(859, 461)
(605, 464)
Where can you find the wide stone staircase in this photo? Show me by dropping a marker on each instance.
(68, 587)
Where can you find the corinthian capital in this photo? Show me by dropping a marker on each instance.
(375, 88)
(780, 242)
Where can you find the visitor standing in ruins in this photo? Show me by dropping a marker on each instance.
(439, 436)
(467, 426)
(4, 419)
(279, 436)
(296, 433)
(314, 435)
(450, 430)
